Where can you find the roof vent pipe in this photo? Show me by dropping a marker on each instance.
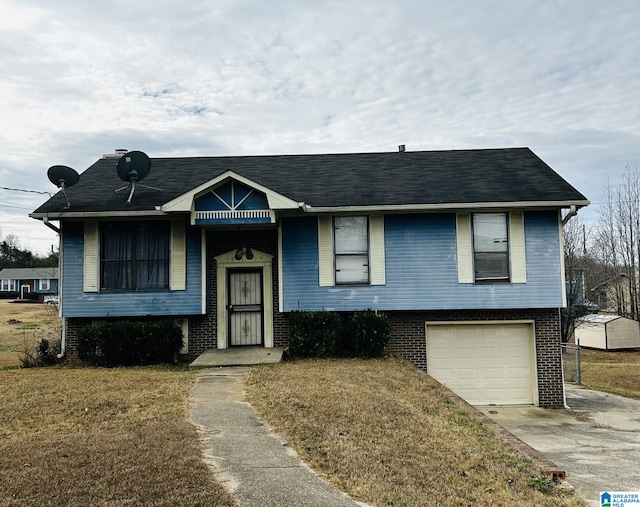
(401, 148)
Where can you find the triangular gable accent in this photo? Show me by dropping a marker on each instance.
(232, 202)
(185, 202)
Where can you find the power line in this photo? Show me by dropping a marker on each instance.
(26, 191)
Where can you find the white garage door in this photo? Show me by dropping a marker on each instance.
(484, 364)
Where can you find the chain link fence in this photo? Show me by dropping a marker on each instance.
(571, 362)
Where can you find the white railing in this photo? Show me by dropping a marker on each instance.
(229, 214)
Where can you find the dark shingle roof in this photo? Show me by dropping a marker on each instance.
(28, 273)
(360, 179)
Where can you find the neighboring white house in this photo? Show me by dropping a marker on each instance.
(607, 332)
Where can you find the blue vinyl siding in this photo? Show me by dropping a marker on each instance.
(421, 269)
(77, 303)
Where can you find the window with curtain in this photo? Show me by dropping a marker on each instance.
(134, 255)
(490, 247)
(351, 243)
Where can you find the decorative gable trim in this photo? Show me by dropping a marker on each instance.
(185, 202)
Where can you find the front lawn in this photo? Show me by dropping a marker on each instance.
(84, 437)
(388, 435)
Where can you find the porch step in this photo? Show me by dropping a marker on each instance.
(245, 356)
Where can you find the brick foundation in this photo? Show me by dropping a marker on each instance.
(408, 339)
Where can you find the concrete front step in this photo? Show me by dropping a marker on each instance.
(240, 356)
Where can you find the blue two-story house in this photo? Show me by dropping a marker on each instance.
(461, 249)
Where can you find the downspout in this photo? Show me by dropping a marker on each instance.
(46, 222)
(573, 211)
(63, 334)
(63, 339)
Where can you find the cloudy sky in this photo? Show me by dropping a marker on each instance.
(245, 77)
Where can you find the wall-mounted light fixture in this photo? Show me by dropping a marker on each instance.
(244, 251)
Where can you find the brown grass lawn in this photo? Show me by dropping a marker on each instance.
(388, 435)
(22, 325)
(617, 372)
(85, 437)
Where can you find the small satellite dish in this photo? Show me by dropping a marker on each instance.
(63, 177)
(134, 166)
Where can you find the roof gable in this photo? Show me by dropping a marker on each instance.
(186, 201)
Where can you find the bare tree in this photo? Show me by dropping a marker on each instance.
(616, 246)
(574, 264)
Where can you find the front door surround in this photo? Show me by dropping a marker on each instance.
(226, 265)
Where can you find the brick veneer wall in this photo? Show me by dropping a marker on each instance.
(408, 339)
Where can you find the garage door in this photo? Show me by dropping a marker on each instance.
(484, 363)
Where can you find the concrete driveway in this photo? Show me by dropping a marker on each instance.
(597, 442)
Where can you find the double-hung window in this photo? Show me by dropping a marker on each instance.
(491, 247)
(134, 256)
(45, 284)
(351, 247)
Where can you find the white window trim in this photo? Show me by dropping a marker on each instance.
(517, 249)
(43, 282)
(359, 254)
(177, 257)
(326, 256)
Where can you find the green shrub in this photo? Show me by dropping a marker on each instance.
(129, 343)
(313, 334)
(366, 334)
(9, 295)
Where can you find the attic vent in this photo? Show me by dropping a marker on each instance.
(401, 148)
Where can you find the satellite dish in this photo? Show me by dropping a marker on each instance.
(63, 177)
(134, 166)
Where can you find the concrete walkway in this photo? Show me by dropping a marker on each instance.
(256, 466)
(597, 442)
(240, 356)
